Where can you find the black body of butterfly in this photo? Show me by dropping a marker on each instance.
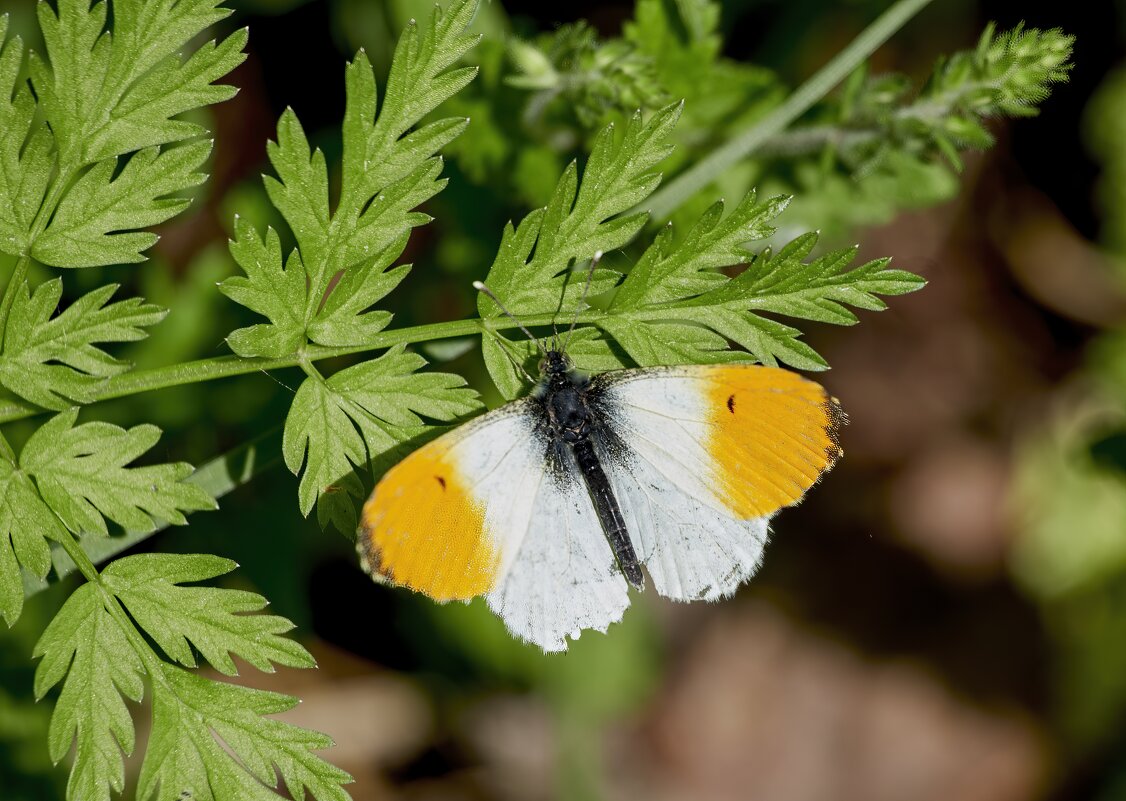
(574, 422)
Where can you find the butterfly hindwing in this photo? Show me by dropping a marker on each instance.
(693, 550)
(564, 578)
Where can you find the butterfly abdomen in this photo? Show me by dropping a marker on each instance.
(609, 512)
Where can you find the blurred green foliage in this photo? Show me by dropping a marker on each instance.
(856, 158)
(1069, 495)
(1105, 127)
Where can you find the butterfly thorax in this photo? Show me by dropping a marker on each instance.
(564, 397)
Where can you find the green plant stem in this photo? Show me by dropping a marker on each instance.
(152, 663)
(143, 650)
(811, 139)
(114, 607)
(667, 199)
(138, 381)
(79, 557)
(308, 367)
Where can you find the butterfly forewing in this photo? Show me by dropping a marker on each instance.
(446, 520)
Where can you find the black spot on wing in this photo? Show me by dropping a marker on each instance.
(731, 404)
(441, 482)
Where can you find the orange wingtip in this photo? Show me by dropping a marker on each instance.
(421, 528)
(774, 434)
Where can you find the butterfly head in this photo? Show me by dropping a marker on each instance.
(554, 362)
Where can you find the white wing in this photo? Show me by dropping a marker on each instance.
(692, 550)
(564, 578)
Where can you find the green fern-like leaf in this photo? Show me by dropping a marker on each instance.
(580, 220)
(92, 649)
(26, 149)
(879, 118)
(76, 476)
(324, 291)
(82, 475)
(184, 757)
(673, 308)
(55, 361)
(270, 289)
(108, 93)
(92, 224)
(667, 273)
(357, 415)
(26, 524)
(341, 266)
(1006, 75)
(595, 78)
(211, 619)
(110, 101)
(87, 645)
(532, 271)
(821, 289)
(676, 306)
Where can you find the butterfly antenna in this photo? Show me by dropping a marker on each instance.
(504, 346)
(480, 287)
(555, 324)
(582, 302)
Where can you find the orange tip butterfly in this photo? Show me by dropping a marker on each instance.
(551, 505)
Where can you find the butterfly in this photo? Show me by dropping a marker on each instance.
(551, 505)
